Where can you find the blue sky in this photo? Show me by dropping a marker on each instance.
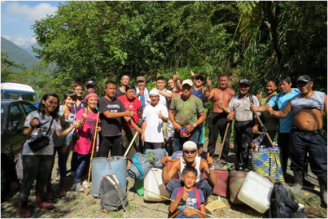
(17, 17)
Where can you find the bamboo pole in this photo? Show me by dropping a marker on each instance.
(93, 147)
(131, 143)
(223, 141)
(163, 197)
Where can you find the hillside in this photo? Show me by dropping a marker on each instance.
(17, 54)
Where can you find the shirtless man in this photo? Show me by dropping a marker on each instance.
(218, 120)
(306, 134)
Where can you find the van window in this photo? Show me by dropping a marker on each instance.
(16, 95)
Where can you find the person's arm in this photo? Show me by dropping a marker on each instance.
(175, 203)
(210, 97)
(62, 134)
(189, 212)
(176, 125)
(208, 168)
(162, 117)
(281, 113)
(111, 115)
(133, 124)
(201, 119)
(326, 104)
(144, 124)
(168, 174)
(165, 94)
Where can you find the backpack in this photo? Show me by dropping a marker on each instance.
(196, 194)
(283, 204)
(112, 195)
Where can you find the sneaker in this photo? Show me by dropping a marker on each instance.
(57, 176)
(85, 184)
(78, 187)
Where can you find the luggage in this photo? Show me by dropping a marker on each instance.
(267, 163)
(236, 179)
(153, 183)
(112, 195)
(221, 185)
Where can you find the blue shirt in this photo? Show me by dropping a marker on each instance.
(286, 123)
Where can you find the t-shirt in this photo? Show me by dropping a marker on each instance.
(133, 106)
(242, 109)
(118, 93)
(65, 123)
(83, 145)
(110, 126)
(186, 110)
(153, 131)
(286, 123)
(48, 150)
(165, 100)
(191, 201)
(270, 122)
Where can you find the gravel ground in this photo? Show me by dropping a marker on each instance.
(78, 205)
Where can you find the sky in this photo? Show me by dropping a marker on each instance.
(17, 17)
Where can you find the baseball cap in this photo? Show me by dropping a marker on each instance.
(140, 78)
(244, 81)
(304, 78)
(189, 144)
(90, 82)
(187, 81)
(154, 92)
(200, 75)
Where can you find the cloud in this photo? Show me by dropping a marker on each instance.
(7, 37)
(31, 13)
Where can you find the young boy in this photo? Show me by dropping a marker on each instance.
(188, 195)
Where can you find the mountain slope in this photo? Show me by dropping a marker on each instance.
(17, 54)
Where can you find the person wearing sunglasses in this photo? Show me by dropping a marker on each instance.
(190, 158)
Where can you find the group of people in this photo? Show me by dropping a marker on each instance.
(175, 119)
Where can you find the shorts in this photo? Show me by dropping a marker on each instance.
(169, 133)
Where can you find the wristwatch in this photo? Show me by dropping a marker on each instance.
(194, 125)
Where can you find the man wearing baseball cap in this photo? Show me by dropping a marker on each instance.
(141, 91)
(183, 113)
(306, 134)
(91, 86)
(190, 158)
(245, 124)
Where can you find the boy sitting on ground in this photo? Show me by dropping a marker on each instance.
(188, 195)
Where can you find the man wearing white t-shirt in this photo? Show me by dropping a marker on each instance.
(153, 117)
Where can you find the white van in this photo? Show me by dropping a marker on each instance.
(16, 91)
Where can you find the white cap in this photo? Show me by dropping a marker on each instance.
(187, 81)
(154, 92)
(189, 144)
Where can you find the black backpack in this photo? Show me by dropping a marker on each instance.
(112, 195)
(283, 204)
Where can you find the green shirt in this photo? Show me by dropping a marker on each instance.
(270, 122)
(186, 111)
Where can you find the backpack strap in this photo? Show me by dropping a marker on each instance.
(119, 190)
(196, 194)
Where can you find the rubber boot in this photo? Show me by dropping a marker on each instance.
(323, 191)
(49, 193)
(62, 192)
(22, 208)
(39, 203)
(298, 181)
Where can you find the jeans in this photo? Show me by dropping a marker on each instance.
(83, 162)
(179, 141)
(62, 158)
(36, 167)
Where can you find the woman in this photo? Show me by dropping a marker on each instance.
(270, 122)
(37, 165)
(61, 144)
(86, 129)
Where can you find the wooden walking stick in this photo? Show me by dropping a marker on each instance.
(134, 137)
(93, 147)
(223, 141)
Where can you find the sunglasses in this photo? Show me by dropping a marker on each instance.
(199, 78)
(189, 152)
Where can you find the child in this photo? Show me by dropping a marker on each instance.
(188, 195)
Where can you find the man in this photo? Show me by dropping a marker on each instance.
(245, 125)
(130, 102)
(77, 87)
(125, 80)
(91, 86)
(111, 110)
(218, 120)
(170, 83)
(142, 92)
(190, 158)
(153, 116)
(285, 124)
(202, 93)
(306, 134)
(183, 115)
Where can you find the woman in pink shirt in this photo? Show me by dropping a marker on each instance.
(86, 130)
